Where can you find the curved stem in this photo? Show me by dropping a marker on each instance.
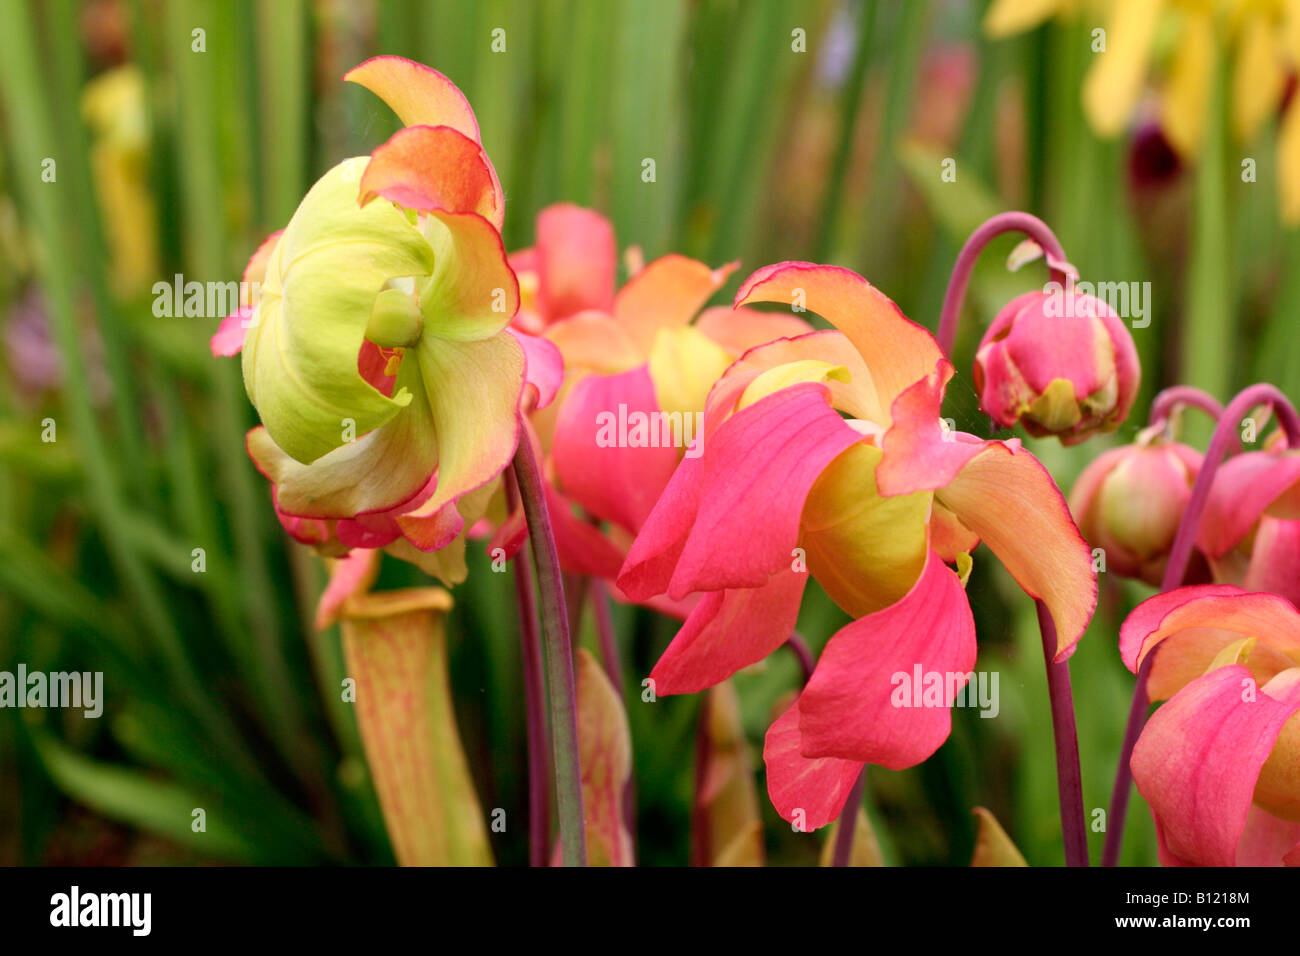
(1171, 399)
(799, 646)
(539, 770)
(1225, 433)
(559, 654)
(1031, 226)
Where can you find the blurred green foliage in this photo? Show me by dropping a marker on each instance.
(219, 694)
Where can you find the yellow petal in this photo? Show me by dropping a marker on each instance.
(1186, 95)
(1113, 83)
(1258, 77)
(992, 845)
(684, 364)
(1008, 17)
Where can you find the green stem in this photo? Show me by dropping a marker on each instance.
(561, 690)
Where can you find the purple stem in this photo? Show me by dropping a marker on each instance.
(539, 770)
(1031, 226)
(561, 688)
(1064, 729)
(799, 646)
(1168, 401)
(1069, 778)
(849, 822)
(1225, 435)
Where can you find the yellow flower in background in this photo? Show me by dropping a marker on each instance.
(113, 105)
(1174, 46)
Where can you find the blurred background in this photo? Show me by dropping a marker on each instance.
(146, 138)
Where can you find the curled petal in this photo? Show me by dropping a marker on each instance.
(617, 477)
(729, 630)
(471, 293)
(739, 330)
(543, 368)
(418, 94)
(921, 453)
(896, 350)
(1222, 607)
(808, 791)
(1006, 496)
(861, 703)
(433, 167)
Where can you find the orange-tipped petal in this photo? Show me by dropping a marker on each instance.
(739, 330)
(1221, 607)
(433, 167)
(666, 294)
(897, 350)
(472, 293)
(419, 95)
(1006, 496)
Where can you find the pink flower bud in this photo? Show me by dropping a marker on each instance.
(1129, 502)
(1059, 362)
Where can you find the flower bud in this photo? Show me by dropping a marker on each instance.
(1059, 362)
(1130, 501)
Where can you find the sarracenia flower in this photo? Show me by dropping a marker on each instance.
(876, 507)
(1130, 501)
(378, 355)
(638, 365)
(1251, 529)
(1219, 762)
(1060, 363)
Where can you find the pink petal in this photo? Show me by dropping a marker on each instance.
(543, 368)
(729, 630)
(757, 471)
(229, 337)
(1199, 757)
(919, 453)
(858, 707)
(1243, 489)
(809, 791)
(615, 482)
(576, 260)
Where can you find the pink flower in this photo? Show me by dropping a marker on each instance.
(1061, 363)
(875, 507)
(1130, 501)
(1219, 762)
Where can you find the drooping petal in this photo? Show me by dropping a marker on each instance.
(609, 451)
(806, 791)
(1244, 488)
(1006, 496)
(433, 167)
(658, 545)
(896, 350)
(862, 703)
(1222, 607)
(729, 630)
(1275, 559)
(1267, 840)
(666, 294)
(576, 261)
(1198, 760)
(757, 471)
(352, 574)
